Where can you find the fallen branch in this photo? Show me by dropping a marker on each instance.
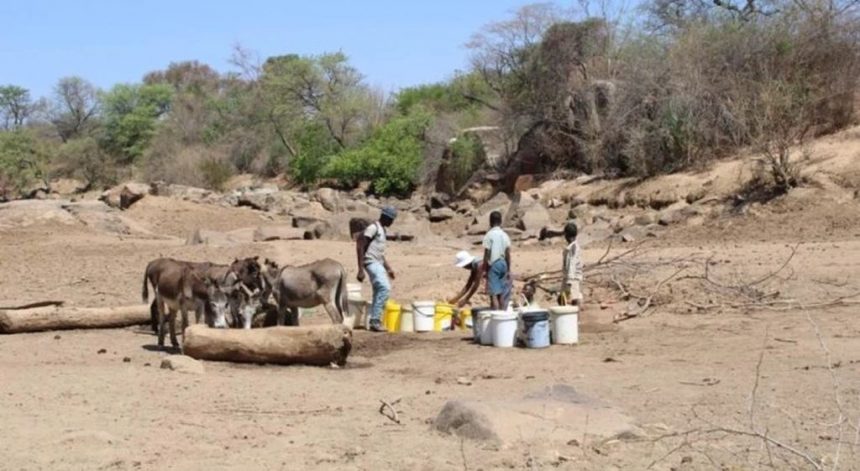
(32, 305)
(390, 406)
(645, 302)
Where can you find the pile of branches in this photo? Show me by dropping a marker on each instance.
(630, 275)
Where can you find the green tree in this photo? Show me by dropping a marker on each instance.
(15, 106)
(131, 114)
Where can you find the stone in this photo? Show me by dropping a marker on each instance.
(311, 214)
(672, 214)
(499, 202)
(465, 208)
(583, 214)
(68, 186)
(132, 193)
(280, 232)
(633, 233)
(439, 200)
(260, 199)
(182, 364)
(551, 232)
(647, 218)
(328, 198)
(551, 417)
(534, 219)
(442, 214)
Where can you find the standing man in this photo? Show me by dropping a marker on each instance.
(370, 249)
(497, 260)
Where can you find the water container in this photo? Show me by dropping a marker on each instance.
(391, 316)
(536, 327)
(565, 324)
(353, 292)
(407, 319)
(443, 315)
(424, 313)
(485, 319)
(476, 323)
(504, 328)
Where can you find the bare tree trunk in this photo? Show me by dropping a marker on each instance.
(61, 318)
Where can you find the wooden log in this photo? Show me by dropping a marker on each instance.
(63, 318)
(312, 345)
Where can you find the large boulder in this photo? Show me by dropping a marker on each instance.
(23, 213)
(260, 199)
(328, 198)
(125, 195)
(442, 214)
(68, 186)
(310, 214)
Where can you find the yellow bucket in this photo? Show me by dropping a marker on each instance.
(442, 317)
(465, 319)
(391, 316)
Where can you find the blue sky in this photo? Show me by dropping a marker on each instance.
(394, 43)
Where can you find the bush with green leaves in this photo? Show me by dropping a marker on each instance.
(390, 159)
(131, 113)
(22, 161)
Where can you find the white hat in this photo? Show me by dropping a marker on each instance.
(463, 258)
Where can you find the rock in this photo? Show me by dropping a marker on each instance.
(23, 213)
(357, 226)
(408, 227)
(647, 218)
(499, 202)
(328, 198)
(182, 364)
(221, 239)
(525, 183)
(466, 420)
(594, 233)
(534, 219)
(439, 200)
(465, 207)
(67, 186)
(554, 203)
(132, 193)
(260, 199)
(551, 416)
(551, 232)
(583, 214)
(281, 232)
(442, 214)
(623, 222)
(633, 233)
(672, 214)
(313, 213)
(479, 193)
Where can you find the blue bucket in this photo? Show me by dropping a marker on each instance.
(476, 326)
(536, 325)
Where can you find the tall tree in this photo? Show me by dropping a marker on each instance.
(15, 106)
(75, 107)
(131, 113)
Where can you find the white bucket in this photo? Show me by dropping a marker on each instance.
(407, 320)
(485, 321)
(356, 315)
(565, 324)
(353, 292)
(504, 327)
(423, 314)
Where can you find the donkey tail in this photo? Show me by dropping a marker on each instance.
(341, 298)
(145, 293)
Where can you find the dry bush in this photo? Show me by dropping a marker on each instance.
(197, 166)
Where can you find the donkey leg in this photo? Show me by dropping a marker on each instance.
(159, 307)
(293, 317)
(171, 319)
(334, 313)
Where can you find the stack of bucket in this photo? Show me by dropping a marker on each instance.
(430, 316)
(540, 327)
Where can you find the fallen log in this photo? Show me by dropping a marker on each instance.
(312, 345)
(39, 319)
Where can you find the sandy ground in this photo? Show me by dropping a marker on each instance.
(684, 376)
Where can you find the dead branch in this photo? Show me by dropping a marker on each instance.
(645, 303)
(33, 305)
(390, 406)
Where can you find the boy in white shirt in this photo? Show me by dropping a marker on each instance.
(571, 285)
(497, 261)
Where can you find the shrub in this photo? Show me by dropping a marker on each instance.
(390, 159)
(214, 172)
(22, 161)
(84, 159)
